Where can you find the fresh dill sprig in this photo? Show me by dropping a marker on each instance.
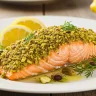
(85, 67)
(29, 37)
(68, 26)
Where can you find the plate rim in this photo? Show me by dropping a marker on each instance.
(86, 82)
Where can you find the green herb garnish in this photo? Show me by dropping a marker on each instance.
(68, 26)
(85, 67)
(29, 37)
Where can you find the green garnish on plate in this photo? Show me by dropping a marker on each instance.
(68, 26)
(85, 67)
(29, 37)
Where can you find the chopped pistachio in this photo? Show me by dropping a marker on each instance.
(40, 45)
(23, 51)
(28, 61)
(23, 59)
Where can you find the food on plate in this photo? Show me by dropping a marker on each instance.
(13, 33)
(19, 29)
(93, 6)
(29, 22)
(48, 49)
(68, 71)
(45, 79)
(58, 74)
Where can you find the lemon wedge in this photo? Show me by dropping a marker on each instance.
(13, 33)
(93, 6)
(29, 22)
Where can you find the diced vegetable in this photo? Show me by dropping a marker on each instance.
(45, 79)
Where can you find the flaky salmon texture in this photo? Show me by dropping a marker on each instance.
(75, 46)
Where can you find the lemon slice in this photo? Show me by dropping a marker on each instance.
(29, 22)
(93, 6)
(13, 33)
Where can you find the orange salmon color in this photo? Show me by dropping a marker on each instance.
(72, 53)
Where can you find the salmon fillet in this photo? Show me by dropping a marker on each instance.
(74, 52)
(46, 50)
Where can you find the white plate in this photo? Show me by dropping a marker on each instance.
(83, 85)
